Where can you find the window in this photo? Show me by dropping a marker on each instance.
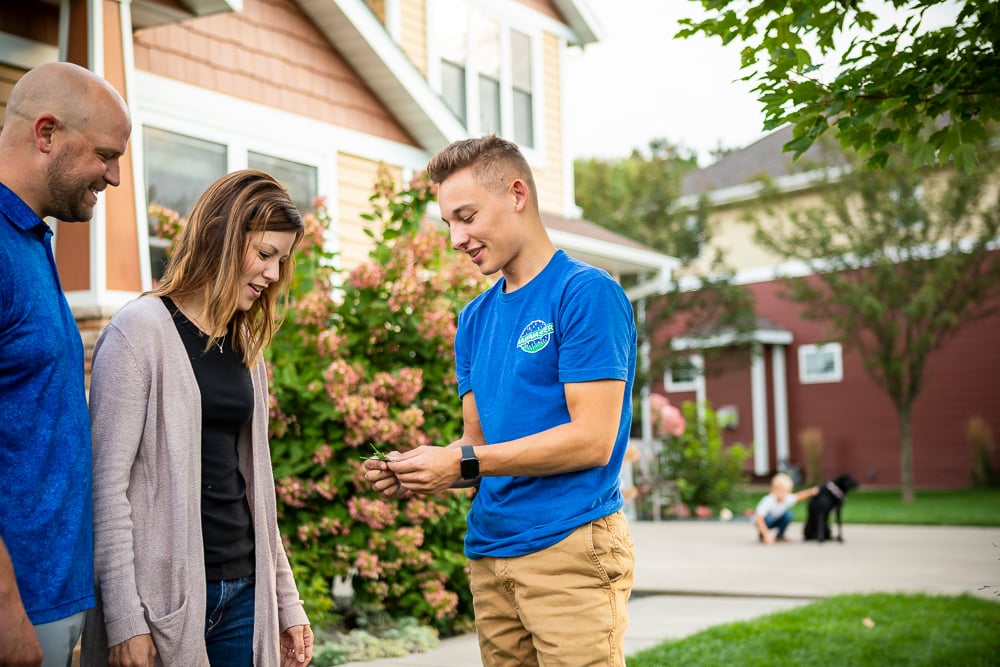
(178, 168)
(454, 22)
(683, 374)
(485, 70)
(299, 179)
(820, 363)
(488, 61)
(524, 127)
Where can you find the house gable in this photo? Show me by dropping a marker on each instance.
(272, 54)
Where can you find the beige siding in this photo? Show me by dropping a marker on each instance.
(733, 225)
(549, 178)
(732, 232)
(413, 32)
(356, 183)
(378, 9)
(269, 53)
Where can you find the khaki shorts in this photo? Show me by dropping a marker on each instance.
(563, 606)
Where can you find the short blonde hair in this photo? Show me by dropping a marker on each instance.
(782, 481)
(494, 161)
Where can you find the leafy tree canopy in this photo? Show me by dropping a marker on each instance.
(635, 197)
(931, 91)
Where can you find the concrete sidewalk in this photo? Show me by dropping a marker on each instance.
(692, 575)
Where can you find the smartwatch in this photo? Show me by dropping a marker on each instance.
(470, 463)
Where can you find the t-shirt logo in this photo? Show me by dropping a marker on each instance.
(535, 336)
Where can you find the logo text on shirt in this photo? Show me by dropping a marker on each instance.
(535, 336)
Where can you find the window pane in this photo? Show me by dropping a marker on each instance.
(688, 372)
(683, 374)
(488, 48)
(453, 88)
(178, 168)
(524, 125)
(451, 36)
(524, 119)
(520, 50)
(451, 30)
(489, 105)
(820, 363)
(299, 179)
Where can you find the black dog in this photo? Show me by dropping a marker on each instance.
(830, 498)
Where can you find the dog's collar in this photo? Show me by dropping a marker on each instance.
(835, 490)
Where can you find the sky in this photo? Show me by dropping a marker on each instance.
(638, 83)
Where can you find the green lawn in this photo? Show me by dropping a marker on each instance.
(963, 507)
(862, 630)
(848, 631)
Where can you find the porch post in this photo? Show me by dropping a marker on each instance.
(758, 397)
(780, 391)
(102, 259)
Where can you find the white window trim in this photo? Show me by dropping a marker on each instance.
(26, 53)
(836, 375)
(246, 126)
(671, 386)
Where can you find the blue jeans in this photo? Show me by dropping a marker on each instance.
(229, 622)
(779, 522)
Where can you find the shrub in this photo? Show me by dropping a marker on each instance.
(371, 364)
(811, 442)
(979, 435)
(708, 473)
(404, 637)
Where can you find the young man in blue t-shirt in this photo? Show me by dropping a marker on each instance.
(64, 132)
(545, 361)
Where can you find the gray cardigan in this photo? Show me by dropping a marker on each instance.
(146, 425)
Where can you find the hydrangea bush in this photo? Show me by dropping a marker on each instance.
(364, 362)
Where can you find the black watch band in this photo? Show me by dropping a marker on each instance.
(470, 463)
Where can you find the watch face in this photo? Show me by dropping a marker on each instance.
(470, 464)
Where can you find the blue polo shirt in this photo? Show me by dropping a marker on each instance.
(45, 459)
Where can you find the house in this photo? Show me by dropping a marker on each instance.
(318, 92)
(796, 379)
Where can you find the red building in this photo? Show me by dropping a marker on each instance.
(797, 379)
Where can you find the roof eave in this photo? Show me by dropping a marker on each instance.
(362, 40)
(147, 13)
(725, 339)
(581, 21)
(615, 258)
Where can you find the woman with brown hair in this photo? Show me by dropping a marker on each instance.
(190, 565)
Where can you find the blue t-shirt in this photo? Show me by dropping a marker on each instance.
(571, 323)
(45, 460)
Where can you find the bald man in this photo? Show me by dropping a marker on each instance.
(62, 138)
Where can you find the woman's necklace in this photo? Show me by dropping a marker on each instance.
(218, 343)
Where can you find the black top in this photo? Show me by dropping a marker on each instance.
(226, 408)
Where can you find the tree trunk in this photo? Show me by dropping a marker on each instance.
(906, 453)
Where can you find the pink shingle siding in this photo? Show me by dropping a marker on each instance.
(269, 53)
